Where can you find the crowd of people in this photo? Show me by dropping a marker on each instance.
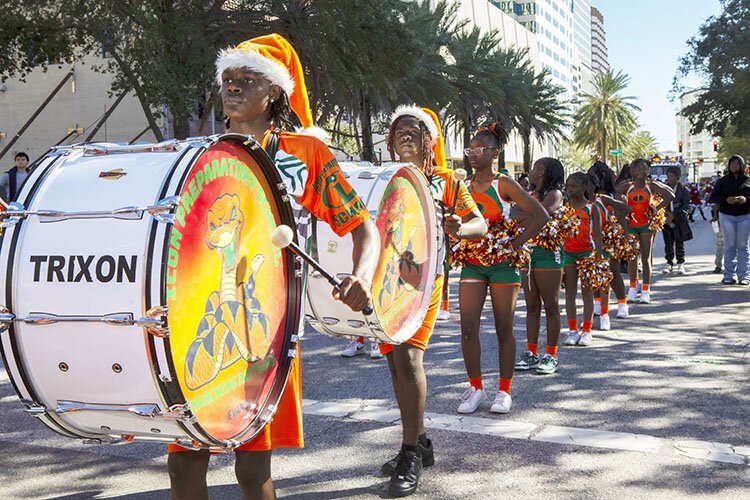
(262, 85)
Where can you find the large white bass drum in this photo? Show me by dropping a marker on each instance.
(399, 198)
(142, 298)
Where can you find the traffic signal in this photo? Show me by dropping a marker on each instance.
(716, 146)
(679, 147)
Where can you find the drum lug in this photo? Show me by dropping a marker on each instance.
(294, 338)
(161, 210)
(292, 353)
(6, 318)
(281, 186)
(270, 412)
(165, 378)
(13, 214)
(33, 408)
(285, 197)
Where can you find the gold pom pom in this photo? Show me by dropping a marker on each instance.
(564, 224)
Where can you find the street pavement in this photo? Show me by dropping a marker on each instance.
(655, 408)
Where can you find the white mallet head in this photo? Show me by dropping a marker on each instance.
(460, 174)
(282, 236)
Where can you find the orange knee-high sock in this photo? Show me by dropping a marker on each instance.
(622, 301)
(505, 384)
(476, 383)
(572, 325)
(552, 350)
(597, 299)
(646, 287)
(605, 308)
(533, 348)
(587, 326)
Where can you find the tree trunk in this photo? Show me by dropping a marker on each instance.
(467, 142)
(365, 118)
(526, 135)
(138, 91)
(501, 159)
(181, 125)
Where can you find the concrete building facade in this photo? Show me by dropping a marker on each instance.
(599, 55)
(76, 108)
(697, 149)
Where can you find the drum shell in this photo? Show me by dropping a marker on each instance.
(332, 317)
(95, 363)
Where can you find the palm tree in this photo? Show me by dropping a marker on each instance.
(641, 145)
(606, 117)
(480, 81)
(542, 113)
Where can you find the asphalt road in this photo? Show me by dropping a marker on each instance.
(655, 408)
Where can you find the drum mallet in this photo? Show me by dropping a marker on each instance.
(283, 237)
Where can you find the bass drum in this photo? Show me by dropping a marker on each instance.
(143, 299)
(399, 199)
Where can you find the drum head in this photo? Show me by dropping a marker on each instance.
(232, 297)
(405, 275)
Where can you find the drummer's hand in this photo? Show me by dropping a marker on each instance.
(353, 292)
(453, 225)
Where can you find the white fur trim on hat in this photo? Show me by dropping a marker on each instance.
(253, 60)
(419, 115)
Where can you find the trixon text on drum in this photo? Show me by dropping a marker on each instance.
(88, 268)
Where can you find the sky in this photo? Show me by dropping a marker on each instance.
(645, 39)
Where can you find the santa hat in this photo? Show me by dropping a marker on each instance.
(273, 57)
(431, 122)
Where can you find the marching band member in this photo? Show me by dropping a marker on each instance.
(639, 193)
(543, 280)
(607, 204)
(582, 246)
(493, 193)
(414, 136)
(261, 81)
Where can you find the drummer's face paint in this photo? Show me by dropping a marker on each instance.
(246, 95)
(407, 140)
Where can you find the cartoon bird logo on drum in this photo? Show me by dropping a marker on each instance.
(402, 272)
(232, 312)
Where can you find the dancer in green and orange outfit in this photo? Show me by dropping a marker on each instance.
(415, 137)
(543, 278)
(609, 203)
(583, 245)
(494, 193)
(639, 193)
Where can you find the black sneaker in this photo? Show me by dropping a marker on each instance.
(718, 270)
(428, 459)
(406, 478)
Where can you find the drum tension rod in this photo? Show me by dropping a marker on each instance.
(148, 410)
(160, 211)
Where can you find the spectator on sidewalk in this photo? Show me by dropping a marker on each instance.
(732, 193)
(677, 231)
(12, 180)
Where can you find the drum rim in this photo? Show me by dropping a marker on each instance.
(294, 296)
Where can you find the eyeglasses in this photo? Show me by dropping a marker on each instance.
(476, 151)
